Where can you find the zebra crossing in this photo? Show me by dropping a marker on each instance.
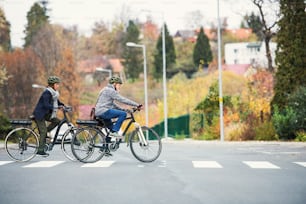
(199, 164)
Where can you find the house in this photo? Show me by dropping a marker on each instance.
(253, 53)
(88, 67)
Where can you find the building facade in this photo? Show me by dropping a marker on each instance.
(253, 53)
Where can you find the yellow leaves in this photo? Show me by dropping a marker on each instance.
(258, 105)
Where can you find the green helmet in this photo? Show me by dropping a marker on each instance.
(115, 79)
(53, 80)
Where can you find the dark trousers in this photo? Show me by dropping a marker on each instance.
(43, 129)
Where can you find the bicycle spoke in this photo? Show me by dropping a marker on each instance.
(145, 152)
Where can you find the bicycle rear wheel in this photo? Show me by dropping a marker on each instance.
(87, 143)
(145, 152)
(21, 144)
(66, 143)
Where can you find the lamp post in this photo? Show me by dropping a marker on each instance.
(37, 86)
(131, 44)
(164, 74)
(220, 78)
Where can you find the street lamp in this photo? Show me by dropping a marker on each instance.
(164, 74)
(100, 69)
(37, 86)
(131, 44)
(220, 79)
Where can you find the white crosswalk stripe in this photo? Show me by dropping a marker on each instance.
(99, 164)
(43, 164)
(5, 162)
(261, 165)
(301, 163)
(196, 164)
(206, 164)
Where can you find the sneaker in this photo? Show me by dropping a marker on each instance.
(44, 154)
(108, 154)
(105, 151)
(115, 134)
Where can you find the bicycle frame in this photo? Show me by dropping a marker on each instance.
(137, 126)
(59, 126)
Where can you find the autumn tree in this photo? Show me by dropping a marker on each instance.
(36, 18)
(5, 39)
(254, 22)
(158, 56)
(133, 59)
(268, 27)
(70, 84)
(101, 38)
(202, 54)
(291, 52)
(184, 58)
(24, 69)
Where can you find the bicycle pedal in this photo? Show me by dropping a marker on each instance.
(107, 154)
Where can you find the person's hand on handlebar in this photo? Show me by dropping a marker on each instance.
(139, 107)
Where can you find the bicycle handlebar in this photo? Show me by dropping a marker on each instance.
(66, 108)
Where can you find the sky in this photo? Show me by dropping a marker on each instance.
(84, 13)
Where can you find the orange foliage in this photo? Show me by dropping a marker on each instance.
(24, 69)
(70, 84)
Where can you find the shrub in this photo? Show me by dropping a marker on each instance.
(300, 136)
(265, 131)
(234, 131)
(297, 101)
(5, 126)
(285, 123)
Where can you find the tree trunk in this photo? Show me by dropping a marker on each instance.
(268, 54)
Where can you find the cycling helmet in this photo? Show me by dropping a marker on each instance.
(53, 80)
(115, 79)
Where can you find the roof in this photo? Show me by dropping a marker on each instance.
(116, 65)
(90, 65)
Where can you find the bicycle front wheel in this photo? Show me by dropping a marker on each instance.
(87, 144)
(145, 144)
(66, 143)
(21, 144)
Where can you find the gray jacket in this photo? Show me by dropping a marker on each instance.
(106, 99)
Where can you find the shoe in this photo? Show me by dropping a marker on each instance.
(108, 154)
(115, 134)
(105, 151)
(44, 154)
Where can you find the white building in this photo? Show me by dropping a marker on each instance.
(253, 53)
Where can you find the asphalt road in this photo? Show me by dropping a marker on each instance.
(187, 172)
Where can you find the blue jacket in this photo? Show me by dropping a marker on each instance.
(44, 105)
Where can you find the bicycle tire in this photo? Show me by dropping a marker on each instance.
(86, 144)
(66, 143)
(21, 144)
(142, 152)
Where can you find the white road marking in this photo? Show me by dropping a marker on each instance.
(43, 164)
(98, 164)
(301, 163)
(261, 165)
(5, 162)
(163, 164)
(206, 164)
